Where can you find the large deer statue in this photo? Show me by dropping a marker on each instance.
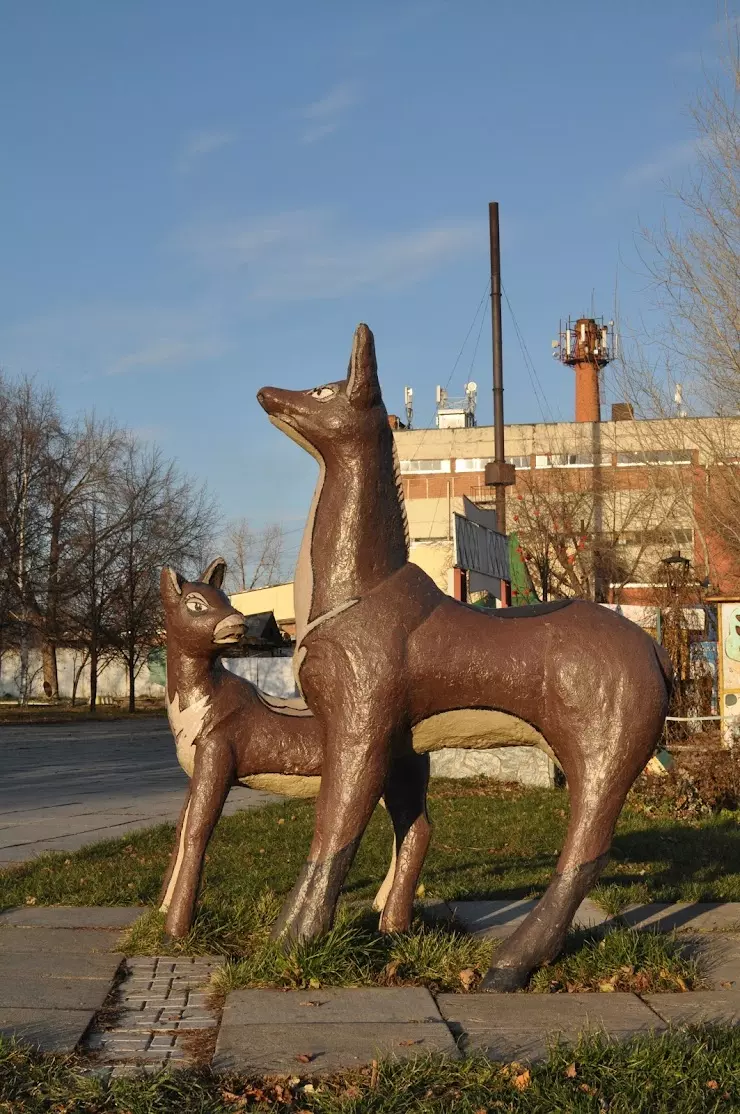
(382, 653)
(228, 732)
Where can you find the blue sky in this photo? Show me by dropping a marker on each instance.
(199, 199)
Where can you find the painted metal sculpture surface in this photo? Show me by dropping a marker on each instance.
(227, 731)
(382, 655)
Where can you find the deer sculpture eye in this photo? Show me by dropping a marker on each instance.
(323, 393)
(196, 604)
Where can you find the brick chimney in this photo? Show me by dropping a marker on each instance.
(584, 346)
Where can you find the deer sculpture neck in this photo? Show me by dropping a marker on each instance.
(351, 543)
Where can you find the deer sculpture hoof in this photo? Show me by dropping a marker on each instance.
(504, 980)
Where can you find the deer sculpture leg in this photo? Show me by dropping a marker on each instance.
(211, 781)
(596, 802)
(176, 852)
(351, 787)
(405, 798)
(361, 740)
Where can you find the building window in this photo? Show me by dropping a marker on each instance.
(409, 466)
(660, 536)
(572, 460)
(478, 463)
(655, 456)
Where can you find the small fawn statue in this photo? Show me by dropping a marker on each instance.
(388, 663)
(228, 732)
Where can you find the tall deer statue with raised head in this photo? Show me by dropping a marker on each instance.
(387, 663)
(228, 732)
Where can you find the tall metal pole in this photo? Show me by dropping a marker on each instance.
(499, 474)
(498, 362)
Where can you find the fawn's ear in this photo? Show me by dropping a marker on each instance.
(170, 584)
(363, 388)
(214, 574)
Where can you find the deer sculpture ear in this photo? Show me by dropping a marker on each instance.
(363, 387)
(170, 584)
(214, 574)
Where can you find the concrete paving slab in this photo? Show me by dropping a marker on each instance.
(590, 915)
(718, 957)
(711, 1007)
(522, 1026)
(684, 915)
(53, 994)
(48, 1030)
(498, 919)
(67, 916)
(58, 965)
(346, 1005)
(85, 941)
(320, 1049)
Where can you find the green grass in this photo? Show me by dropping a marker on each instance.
(681, 1073)
(438, 956)
(622, 959)
(490, 842)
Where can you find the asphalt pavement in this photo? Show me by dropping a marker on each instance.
(66, 785)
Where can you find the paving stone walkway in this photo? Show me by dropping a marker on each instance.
(57, 967)
(63, 986)
(155, 1016)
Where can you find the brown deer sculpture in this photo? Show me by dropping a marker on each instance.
(382, 655)
(228, 732)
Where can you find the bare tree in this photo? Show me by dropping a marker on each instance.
(694, 263)
(254, 557)
(165, 518)
(29, 425)
(583, 534)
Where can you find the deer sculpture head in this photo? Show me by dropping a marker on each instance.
(325, 418)
(200, 620)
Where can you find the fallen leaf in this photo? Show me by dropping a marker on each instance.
(30, 901)
(420, 890)
(390, 970)
(407, 1044)
(521, 1082)
(309, 1088)
(281, 820)
(309, 1003)
(467, 977)
(314, 984)
(571, 1071)
(305, 1057)
(712, 1084)
(587, 1089)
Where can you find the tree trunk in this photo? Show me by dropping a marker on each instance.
(93, 677)
(51, 673)
(77, 671)
(131, 685)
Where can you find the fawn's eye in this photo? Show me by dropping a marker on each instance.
(323, 393)
(196, 603)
